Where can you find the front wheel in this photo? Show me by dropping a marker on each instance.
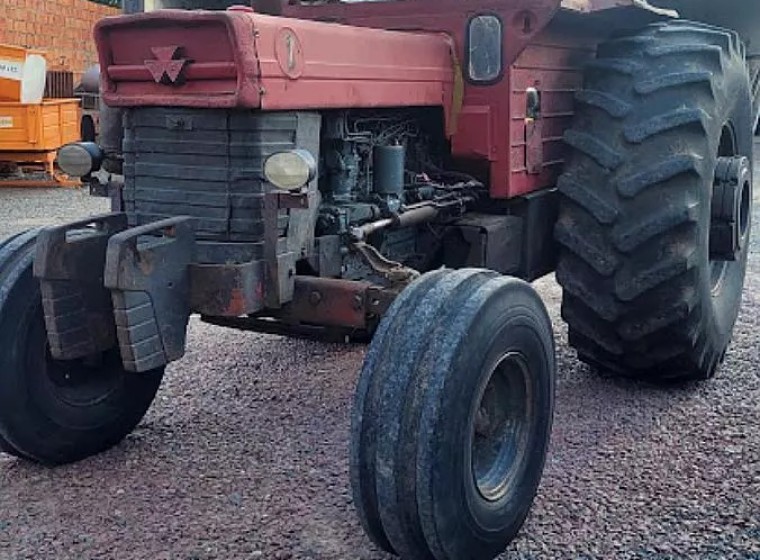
(453, 415)
(53, 411)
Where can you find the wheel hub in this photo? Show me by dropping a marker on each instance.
(499, 428)
(730, 208)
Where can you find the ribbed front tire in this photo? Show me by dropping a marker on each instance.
(56, 412)
(452, 416)
(643, 295)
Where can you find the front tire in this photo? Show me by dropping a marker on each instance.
(453, 415)
(644, 293)
(51, 411)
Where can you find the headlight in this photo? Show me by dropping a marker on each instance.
(80, 158)
(290, 170)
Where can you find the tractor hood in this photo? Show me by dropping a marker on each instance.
(239, 58)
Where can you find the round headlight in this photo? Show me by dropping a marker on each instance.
(80, 158)
(290, 170)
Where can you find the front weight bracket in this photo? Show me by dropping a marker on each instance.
(77, 307)
(147, 271)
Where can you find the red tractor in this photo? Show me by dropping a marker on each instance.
(398, 170)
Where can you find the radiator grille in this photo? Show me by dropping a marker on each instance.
(59, 84)
(205, 163)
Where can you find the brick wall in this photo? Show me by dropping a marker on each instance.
(60, 28)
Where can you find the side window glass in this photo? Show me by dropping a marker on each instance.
(484, 44)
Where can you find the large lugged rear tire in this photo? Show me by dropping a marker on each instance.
(644, 296)
(57, 412)
(452, 416)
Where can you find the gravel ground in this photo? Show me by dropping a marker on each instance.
(244, 453)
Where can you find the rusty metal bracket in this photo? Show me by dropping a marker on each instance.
(323, 308)
(69, 264)
(292, 201)
(329, 302)
(392, 271)
(279, 268)
(147, 272)
(227, 290)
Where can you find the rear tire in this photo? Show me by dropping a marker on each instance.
(5, 445)
(643, 294)
(452, 416)
(57, 412)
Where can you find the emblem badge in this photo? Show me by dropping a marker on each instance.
(289, 53)
(168, 66)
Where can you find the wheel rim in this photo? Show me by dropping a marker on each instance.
(721, 268)
(500, 428)
(745, 210)
(77, 383)
(726, 148)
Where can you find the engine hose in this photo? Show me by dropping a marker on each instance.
(414, 215)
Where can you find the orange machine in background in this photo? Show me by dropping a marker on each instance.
(21, 71)
(31, 128)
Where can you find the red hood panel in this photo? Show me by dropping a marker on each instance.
(174, 57)
(243, 59)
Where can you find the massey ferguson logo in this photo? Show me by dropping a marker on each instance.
(168, 65)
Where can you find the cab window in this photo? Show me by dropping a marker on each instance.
(485, 37)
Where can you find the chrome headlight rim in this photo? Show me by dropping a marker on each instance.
(79, 159)
(290, 170)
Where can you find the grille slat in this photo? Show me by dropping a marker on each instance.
(59, 84)
(206, 164)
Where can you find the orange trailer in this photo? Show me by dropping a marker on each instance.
(31, 128)
(30, 135)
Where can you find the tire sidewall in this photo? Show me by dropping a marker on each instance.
(721, 310)
(507, 326)
(32, 418)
